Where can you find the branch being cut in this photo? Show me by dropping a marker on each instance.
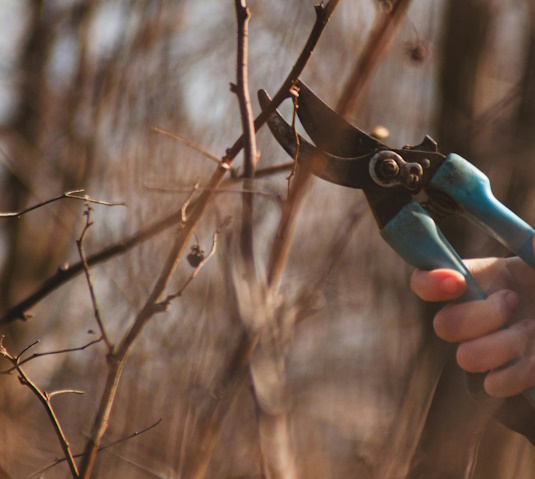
(250, 154)
(323, 15)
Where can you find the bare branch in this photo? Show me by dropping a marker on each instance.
(68, 194)
(18, 311)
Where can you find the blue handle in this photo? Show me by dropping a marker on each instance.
(413, 234)
(470, 189)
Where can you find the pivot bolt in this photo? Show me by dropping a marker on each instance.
(387, 169)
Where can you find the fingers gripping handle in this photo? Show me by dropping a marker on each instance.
(470, 189)
(413, 234)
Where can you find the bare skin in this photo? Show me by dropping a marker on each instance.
(508, 354)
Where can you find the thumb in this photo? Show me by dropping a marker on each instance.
(438, 284)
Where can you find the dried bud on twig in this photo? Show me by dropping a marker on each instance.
(195, 256)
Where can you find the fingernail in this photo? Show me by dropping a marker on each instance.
(511, 300)
(451, 286)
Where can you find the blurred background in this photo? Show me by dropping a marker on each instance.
(83, 84)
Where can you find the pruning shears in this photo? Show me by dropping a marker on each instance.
(394, 180)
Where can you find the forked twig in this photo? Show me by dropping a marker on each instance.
(44, 399)
(48, 353)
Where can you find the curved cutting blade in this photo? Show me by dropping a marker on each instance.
(352, 172)
(329, 131)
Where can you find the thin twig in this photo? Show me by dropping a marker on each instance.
(64, 391)
(187, 142)
(68, 194)
(44, 399)
(48, 353)
(89, 279)
(240, 191)
(183, 210)
(102, 448)
(27, 348)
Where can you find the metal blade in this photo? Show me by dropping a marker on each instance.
(352, 172)
(329, 131)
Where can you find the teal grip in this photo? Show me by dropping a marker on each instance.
(470, 189)
(413, 234)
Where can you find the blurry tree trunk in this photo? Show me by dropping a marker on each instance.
(523, 141)
(25, 130)
(450, 436)
(50, 138)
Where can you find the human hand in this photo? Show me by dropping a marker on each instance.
(485, 345)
